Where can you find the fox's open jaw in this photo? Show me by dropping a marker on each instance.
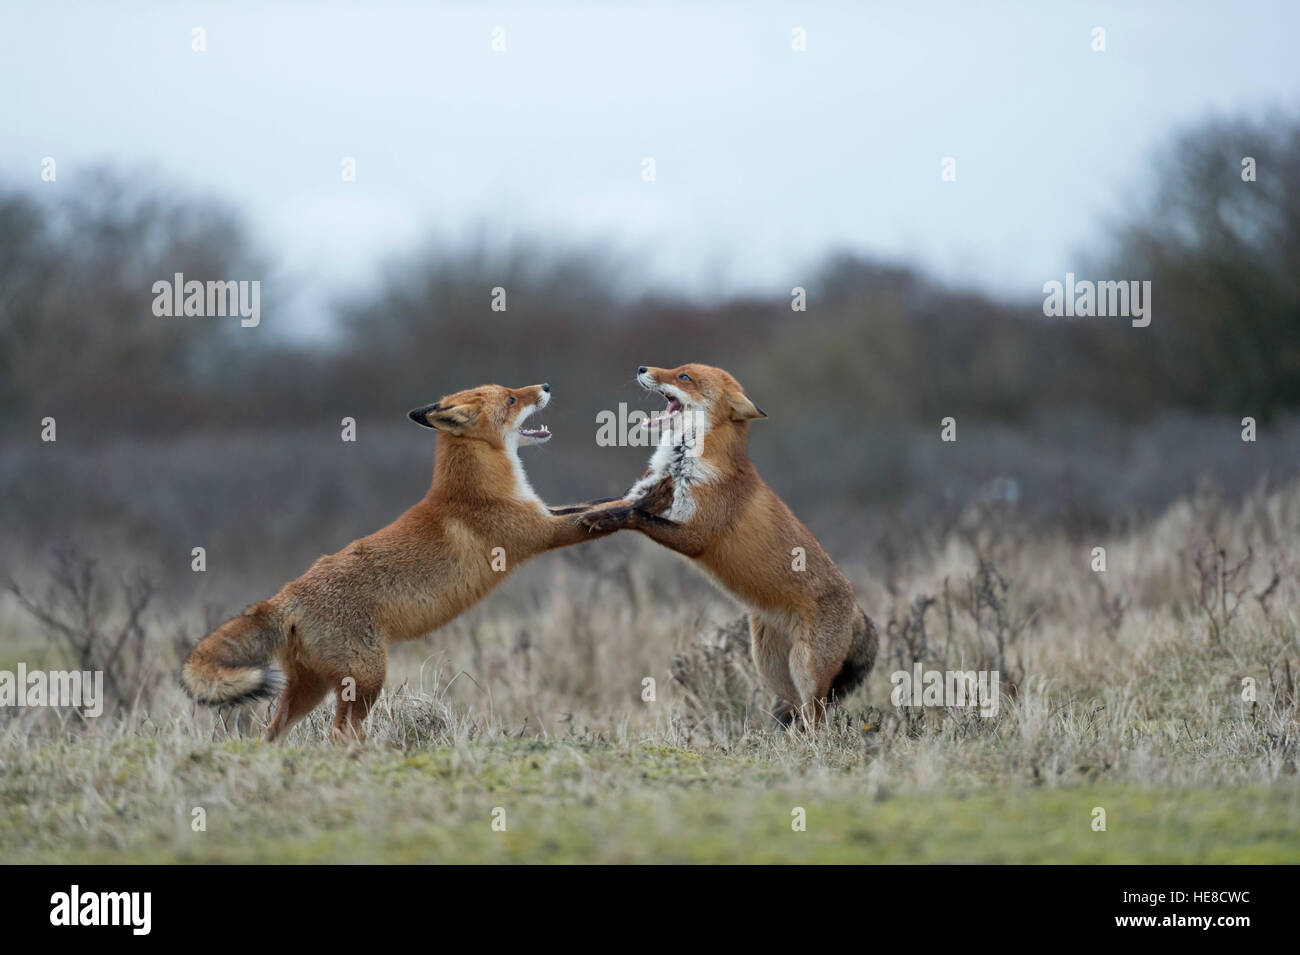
(540, 434)
(675, 405)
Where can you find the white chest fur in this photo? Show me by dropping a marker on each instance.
(679, 454)
(523, 490)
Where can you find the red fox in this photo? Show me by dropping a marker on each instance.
(809, 638)
(330, 629)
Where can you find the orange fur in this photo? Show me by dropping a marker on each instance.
(330, 629)
(808, 635)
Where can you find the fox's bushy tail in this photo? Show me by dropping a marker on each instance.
(234, 663)
(861, 658)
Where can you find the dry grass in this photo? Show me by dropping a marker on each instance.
(1124, 686)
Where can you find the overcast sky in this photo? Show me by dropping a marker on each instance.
(764, 157)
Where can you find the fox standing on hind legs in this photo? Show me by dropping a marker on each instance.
(809, 637)
(330, 629)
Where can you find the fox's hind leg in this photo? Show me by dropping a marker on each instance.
(813, 685)
(816, 657)
(302, 692)
(770, 647)
(357, 691)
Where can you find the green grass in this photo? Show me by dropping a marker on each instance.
(586, 802)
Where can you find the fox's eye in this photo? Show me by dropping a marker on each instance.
(511, 401)
(684, 377)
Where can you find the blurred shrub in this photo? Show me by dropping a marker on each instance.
(1223, 256)
(76, 310)
(877, 341)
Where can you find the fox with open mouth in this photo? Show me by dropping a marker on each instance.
(330, 629)
(809, 638)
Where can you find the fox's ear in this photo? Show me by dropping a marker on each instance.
(454, 419)
(742, 409)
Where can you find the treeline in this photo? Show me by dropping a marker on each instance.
(1222, 253)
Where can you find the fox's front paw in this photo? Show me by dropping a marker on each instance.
(610, 519)
(659, 498)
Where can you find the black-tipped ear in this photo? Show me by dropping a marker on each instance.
(742, 409)
(421, 415)
(454, 419)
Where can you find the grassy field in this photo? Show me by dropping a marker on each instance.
(1160, 690)
(591, 801)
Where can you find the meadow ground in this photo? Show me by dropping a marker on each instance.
(1160, 690)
